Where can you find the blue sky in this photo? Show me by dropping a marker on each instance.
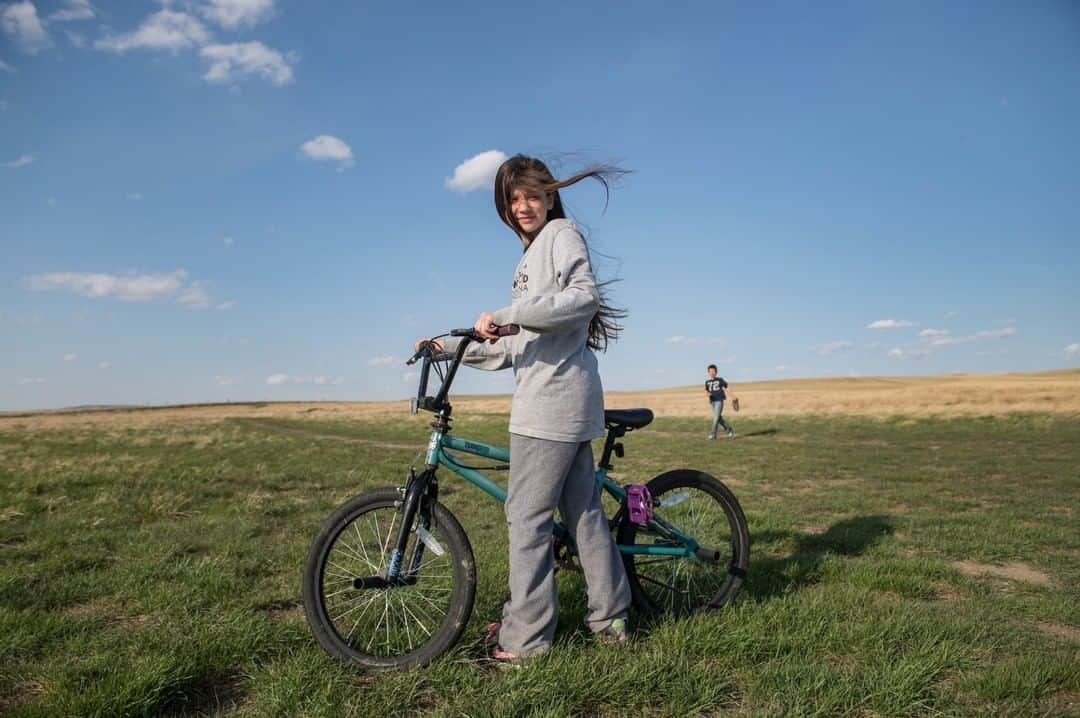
(256, 199)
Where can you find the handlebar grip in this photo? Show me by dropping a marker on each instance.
(502, 331)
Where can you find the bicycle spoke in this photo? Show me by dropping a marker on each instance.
(388, 619)
(404, 620)
(417, 619)
(676, 584)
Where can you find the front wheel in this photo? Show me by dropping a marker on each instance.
(701, 507)
(357, 615)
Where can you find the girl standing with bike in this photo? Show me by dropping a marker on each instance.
(557, 409)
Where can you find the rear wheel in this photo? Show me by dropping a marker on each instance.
(699, 506)
(356, 615)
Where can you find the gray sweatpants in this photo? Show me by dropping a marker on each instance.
(545, 475)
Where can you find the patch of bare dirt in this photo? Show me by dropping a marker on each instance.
(1066, 703)
(944, 592)
(1060, 630)
(284, 609)
(1015, 571)
(814, 529)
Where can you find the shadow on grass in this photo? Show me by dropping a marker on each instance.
(770, 577)
(760, 432)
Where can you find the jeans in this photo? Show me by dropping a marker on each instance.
(718, 419)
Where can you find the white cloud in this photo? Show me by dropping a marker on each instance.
(224, 380)
(327, 148)
(32, 380)
(128, 288)
(967, 339)
(996, 333)
(231, 14)
(20, 162)
(71, 357)
(1073, 350)
(134, 196)
(950, 314)
(104, 365)
(235, 61)
(226, 305)
(279, 379)
(6, 67)
(477, 172)
(932, 333)
(782, 368)
(164, 30)
(76, 39)
(51, 201)
(889, 324)
(835, 346)
(73, 10)
(680, 339)
(410, 376)
(194, 296)
(21, 23)
(909, 352)
(227, 241)
(381, 361)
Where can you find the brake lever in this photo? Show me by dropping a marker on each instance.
(425, 347)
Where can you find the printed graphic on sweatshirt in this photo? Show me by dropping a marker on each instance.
(521, 282)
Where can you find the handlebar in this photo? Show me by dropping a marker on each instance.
(470, 334)
(427, 353)
(500, 331)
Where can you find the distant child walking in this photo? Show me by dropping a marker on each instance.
(717, 388)
(558, 407)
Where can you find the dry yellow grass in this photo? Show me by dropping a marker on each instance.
(1056, 392)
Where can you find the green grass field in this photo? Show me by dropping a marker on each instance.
(897, 568)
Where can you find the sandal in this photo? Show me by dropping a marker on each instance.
(502, 657)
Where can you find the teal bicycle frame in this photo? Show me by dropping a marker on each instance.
(437, 456)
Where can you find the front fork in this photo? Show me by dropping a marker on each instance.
(418, 498)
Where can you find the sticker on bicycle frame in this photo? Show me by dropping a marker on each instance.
(474, 448)
(433, 447)
(430, 541)
(395, 564)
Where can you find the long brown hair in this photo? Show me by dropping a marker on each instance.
(530, 173)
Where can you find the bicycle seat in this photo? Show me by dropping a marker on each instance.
(630, 418)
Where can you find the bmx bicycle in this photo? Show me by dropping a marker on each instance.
(390, 578)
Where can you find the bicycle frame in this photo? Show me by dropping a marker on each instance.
(437, 456)
(425, 486)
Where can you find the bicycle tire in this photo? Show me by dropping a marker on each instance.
(708, 586)
(458, 556)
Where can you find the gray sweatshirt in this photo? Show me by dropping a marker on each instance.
(554, 297)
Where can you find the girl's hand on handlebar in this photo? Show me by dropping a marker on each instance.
(436, 344)
(485, 326)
